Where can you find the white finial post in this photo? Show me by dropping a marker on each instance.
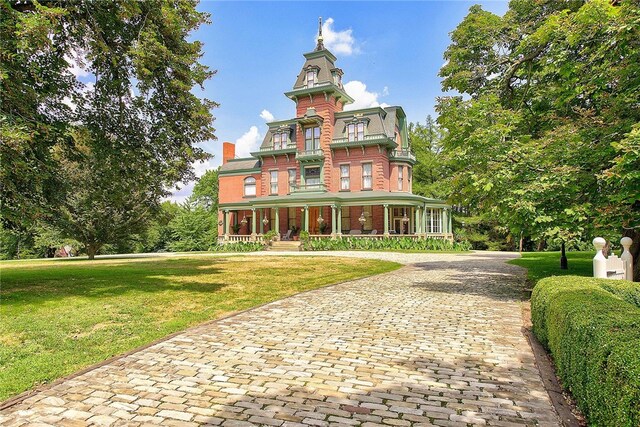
(627, 258)
(599, 261)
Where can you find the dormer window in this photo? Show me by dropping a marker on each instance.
(355, 131)
(311, 78)
(280, 140)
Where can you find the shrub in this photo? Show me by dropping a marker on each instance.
(269, 236)
(238, 247)
(401, 243)
(592, 328)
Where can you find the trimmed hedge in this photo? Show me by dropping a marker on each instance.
(592, 328)
(238, 247)
(398, 243)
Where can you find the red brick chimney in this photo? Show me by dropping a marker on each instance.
(228, 151)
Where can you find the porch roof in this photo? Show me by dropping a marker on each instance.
(359, 198)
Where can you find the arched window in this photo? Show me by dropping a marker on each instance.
(250, 186)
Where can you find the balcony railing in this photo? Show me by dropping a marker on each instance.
(281, 148)
(403, 154)
(306, 155)
(302, 188)
(360, 141)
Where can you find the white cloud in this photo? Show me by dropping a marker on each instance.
(362, 97)
(338, 42)
(266, 116)
(385, 91)
(76, 63)
(181, 194)
(248, 142)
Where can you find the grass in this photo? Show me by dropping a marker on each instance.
(58, 317)
(545, 264)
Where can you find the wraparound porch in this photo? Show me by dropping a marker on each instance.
(336, 215)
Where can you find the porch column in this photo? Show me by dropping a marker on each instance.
(445, 221)
(306, 218)
(333, 221)
(386, 220)
(450, 224)
(424, 220)
(431, 220)
(339, 222)
(276, 227)
(417, 221)
(226, 224)
(253, 223)
(411, 229)
(261, 223)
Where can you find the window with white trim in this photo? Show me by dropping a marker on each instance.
(436, 220)
(311, 78)
(400, 177)
(355, 131)
(273, 182)
(250, 186)
(277, 143)
(292, 179)
(367, 176)
(344, 177)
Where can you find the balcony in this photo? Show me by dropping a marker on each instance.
(310, 155)
(375, 139)
(308, 188)
(273, 151)
(406, 155)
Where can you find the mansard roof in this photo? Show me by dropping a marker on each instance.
(324, 62)
(279, 126)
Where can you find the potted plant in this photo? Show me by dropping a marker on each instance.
(323, 228)
(294, 233)
(236, 228)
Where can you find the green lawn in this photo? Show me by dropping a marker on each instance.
(545, 264)
(57, 317)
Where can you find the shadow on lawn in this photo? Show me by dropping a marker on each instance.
(44, 284)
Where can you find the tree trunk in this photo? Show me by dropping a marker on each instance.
(92, 249)
(635, 251)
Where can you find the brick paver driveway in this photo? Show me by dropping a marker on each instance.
(438, 342)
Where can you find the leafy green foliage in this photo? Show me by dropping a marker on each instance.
(546, 139)
(116, 144)
(401, 243)
(238, 247)
(592, 328)
(192, 229)
(430, 170)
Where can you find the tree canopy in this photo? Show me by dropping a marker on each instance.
(111, 147)
(544, 136)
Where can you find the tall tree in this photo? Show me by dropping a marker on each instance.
(429, 171)
(132, 133)
(546, 135)
(34, 80)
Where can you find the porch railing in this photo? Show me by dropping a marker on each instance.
(403, 154)
(357, 141)
(301, 188)
(279, 148)
(446, 236)
(240, 238)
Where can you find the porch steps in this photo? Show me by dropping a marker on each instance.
(284, 246)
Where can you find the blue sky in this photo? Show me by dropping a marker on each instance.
(390, 53)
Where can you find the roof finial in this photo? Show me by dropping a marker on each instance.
(320, 45)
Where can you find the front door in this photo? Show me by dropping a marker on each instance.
(314, 213)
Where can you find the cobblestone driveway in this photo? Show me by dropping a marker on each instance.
(438, 342)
